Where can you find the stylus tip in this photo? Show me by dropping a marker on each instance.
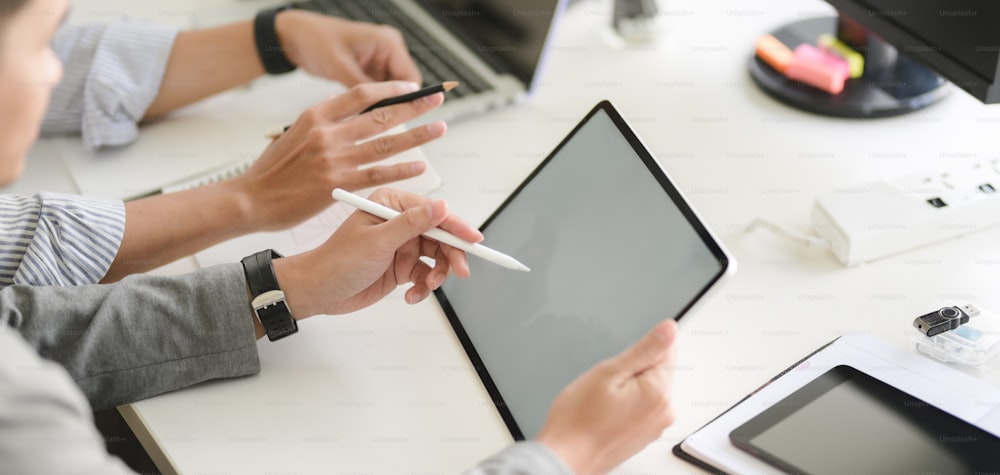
(516, 265)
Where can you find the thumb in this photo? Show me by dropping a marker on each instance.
(651, 350)
(412, 223)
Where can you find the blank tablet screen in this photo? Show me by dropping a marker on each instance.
(613, 250)
(846, 421)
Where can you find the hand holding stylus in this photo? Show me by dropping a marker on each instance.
(368, 257)
(439, 235)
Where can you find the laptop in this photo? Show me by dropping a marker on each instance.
(495, 48)
(614, 249)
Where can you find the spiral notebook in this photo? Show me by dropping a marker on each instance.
(226, 172)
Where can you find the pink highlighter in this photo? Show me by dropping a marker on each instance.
(818, 68)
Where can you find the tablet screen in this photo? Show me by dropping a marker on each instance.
(846, 421)
(613, 250)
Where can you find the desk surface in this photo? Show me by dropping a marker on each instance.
(389, 390)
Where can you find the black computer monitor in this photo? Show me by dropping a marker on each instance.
(911, 48)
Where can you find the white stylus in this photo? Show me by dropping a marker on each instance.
(436, 234)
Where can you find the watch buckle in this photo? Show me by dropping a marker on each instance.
(267, 299)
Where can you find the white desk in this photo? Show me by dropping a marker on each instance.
(389, 390)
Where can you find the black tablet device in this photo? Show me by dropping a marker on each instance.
(613, 249)
(846, 421)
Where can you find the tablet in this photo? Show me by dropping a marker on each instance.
(613, 249)
(846, 421)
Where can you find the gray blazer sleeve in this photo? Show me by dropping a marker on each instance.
(143, 336)
(523, 458)
(45, 423)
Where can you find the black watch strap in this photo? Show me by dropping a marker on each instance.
(268, 301)
(271, 53)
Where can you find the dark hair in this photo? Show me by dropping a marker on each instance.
(9, 7)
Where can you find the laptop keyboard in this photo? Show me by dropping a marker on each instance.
(436, 64)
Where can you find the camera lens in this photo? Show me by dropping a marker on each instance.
(949, 312)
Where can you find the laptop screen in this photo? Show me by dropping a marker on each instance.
(613, 250)
(508, 34)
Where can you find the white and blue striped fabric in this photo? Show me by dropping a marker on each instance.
(112, 73)
(58, 239)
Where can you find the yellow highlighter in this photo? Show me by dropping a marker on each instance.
(855, 62)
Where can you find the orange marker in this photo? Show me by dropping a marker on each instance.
(773, 52)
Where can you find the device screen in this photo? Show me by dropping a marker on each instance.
(846, 421)
(965, 30)
(611, 254)
(512, 32)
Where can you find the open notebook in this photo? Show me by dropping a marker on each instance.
(316, 230)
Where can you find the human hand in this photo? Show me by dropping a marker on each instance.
(293, 178)
(616, 408)
(342, 50)
(368, 257)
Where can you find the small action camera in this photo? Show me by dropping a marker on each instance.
(944, 319)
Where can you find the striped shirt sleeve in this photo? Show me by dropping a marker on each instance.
(58, 239)
(112, 74)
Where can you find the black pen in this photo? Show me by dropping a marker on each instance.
(411, 96)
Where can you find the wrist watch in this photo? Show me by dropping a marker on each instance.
(267, 300)
(271, 53)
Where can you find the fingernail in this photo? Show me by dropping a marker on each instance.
(435, 211)
(411, 86)
(418, 167)
(438, 280)
(437, 128)
(661, 334)
(431, 98)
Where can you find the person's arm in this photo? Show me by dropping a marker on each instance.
(120, 73)
(112, 73)
(69, 240)
(57, 239)
(144, 336)
(206, 62)
(147, 335)
(46, 425)
(290, 183)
